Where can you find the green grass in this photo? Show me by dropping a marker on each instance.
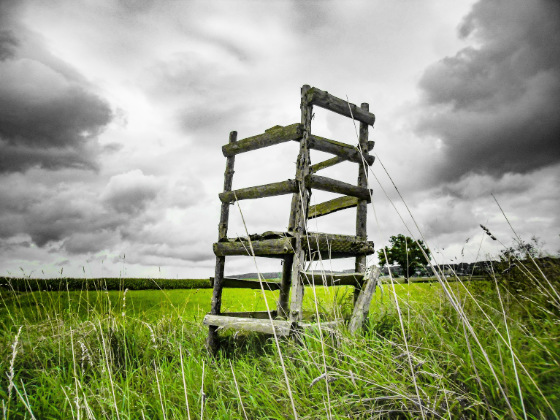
(141, 354)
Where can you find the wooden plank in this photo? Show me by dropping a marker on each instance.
(282, 328)
(254, 314)
(267, 190)
(272, 136)
(232, 283)
(330, 279)
(315, 96)
(216, 302)
(361, 307)
(286, 283)
(332, 185)
(332, 206)
(265, 248)
(343, 150)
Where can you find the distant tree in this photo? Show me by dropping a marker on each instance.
(405, 252)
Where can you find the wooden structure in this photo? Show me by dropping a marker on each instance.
(297, 245)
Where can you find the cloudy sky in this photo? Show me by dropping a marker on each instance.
(112, 115)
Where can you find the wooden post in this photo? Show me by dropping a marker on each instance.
(300, 205)
(361, 209)
(361, 308)
(213, 344)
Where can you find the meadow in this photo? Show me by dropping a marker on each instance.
(485, 349)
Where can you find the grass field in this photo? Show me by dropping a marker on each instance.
(141, 354)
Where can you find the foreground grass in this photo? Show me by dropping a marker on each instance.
(141, 354)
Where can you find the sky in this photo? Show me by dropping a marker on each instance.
(113, 114)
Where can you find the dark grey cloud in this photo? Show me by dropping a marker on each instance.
(495, 106)
(129, 193)
(49, 115)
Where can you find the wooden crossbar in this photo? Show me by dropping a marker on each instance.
(267, 190)
(334, 186)
(233, 283)
(272, 136)
(282, 328)
(342, 150)
(315, 96)
(331, 206)
(264, 248)
(338, 279)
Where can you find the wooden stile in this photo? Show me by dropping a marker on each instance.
(325, 100)
(297, 245)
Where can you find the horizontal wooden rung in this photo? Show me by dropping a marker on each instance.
(332, 279)
(266, 326)
(254, 314)
(267, 190)
(275, 248)
(342, 150)
(332, 206)
(315, 96)
(233, 283)
(272, 136)
(335, 186)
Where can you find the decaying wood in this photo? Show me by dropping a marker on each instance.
(332, 279)
(361, 307)
(325, 164)
(285, 285)
(267, 190)
(343, 150)
(254, 314)
(233, 283)
(300, 206)
(216, 304)
(325, 100)
(282, 328)
(337, 246)
(332, 206)
(267, 247)
(361, 209)
(335, 186)
(272, 136)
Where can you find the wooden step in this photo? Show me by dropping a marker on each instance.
(267, 190)
(342, 150)
(254, 314)
(232, 283)
(266, 326)
(332, 279)
(339, 187)
(332, 206)
(280, 244)
(272, 136)
(315, 96)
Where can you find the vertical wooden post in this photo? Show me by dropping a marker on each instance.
(285, 285)
(213, 344)
(361, 209)
(361, 307)
(300, 206)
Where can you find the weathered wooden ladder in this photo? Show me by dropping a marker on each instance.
(297, 245)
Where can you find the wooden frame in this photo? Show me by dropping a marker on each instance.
(296, 246)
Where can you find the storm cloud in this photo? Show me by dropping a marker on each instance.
(50, 116)
(494, 106)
